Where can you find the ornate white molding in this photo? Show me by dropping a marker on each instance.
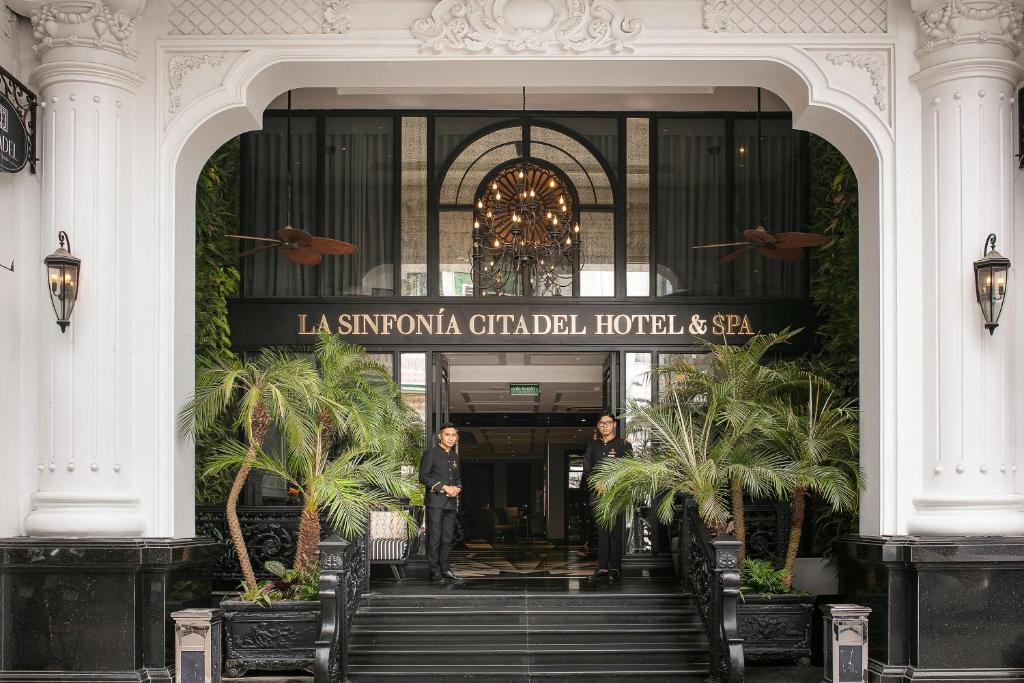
(101, 25)
(572, 26)
(955, 22)
(181, 66)
(796, 16)
(877, 67)
(337, 16)
(258, 17)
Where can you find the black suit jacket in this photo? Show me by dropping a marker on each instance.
(439, 468)
(597, 451)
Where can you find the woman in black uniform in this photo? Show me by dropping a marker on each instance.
(609, 540)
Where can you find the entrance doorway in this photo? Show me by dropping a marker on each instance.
(524, 420)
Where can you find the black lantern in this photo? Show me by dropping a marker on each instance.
(62, 280)
(990, 273)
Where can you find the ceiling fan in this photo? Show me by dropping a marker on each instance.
(783, 246)
(296, 244)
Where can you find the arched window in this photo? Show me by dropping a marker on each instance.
(579, 161)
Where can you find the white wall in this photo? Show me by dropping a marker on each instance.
(23, 303)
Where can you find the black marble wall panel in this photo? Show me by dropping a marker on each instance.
(96, 609)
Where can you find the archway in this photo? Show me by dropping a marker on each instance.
(261, 75)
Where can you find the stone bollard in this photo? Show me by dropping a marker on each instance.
(846, 643)
(197, 645)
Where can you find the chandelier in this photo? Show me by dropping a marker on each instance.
(525, 230)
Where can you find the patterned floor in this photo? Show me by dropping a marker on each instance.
(522, 560)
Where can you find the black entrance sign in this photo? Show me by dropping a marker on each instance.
(265, 322)
(14, 149)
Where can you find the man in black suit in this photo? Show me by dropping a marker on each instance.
(440, 473)
(609, 541)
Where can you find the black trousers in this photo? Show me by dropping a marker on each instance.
(440, 537)
(609, 545)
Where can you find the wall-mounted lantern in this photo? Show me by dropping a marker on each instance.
(990, 273)
(62, 280)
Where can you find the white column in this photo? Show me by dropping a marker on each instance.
(968, 83)
(86, 402)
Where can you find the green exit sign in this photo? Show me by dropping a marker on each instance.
(524, 389)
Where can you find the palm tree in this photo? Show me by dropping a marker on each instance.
(352, 463)
(275, 388)
(735, 379)
(687, 451)
(820, 441)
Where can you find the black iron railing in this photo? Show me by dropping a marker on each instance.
(710, 569)
(344, 579)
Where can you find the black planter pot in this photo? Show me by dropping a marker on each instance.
(776, 628)
(280, 637)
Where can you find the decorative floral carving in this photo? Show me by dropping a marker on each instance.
(337, 16)
(96, 24)
(796, 16)
(957, 22)
(877, 67)
(180, 67)
(573, 26)
(8, 20)
(332, 562)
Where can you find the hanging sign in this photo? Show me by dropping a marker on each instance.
(14, 149)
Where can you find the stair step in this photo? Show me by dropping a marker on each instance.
(565, 635)
(534, 656)
(460, 616)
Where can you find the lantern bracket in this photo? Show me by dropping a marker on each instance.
(990, 244)
(6, 268)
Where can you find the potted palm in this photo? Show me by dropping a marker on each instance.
(343, 459)
(818, 439)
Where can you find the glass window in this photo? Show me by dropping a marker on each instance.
(783, 205)
(578, 164)
(638, 376)
(597, 230)
(385, 359)
(601, 132)
(414, 207)
(638, 207)
(476, 161)
(455, 242)
(359, 205)
(265, 204)
(691, 208)
(413, 382)
(452, 131)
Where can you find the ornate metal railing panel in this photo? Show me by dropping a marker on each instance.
(344, 579)
(711, 573)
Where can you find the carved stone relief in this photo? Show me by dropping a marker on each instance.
(877, 67)
(258, 17)
(179, 68)
(101, 25)
(956, 22)
(8, 20)
(518, 26)
(796, 16)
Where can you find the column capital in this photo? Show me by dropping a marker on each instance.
(957, 29)
(83, 30)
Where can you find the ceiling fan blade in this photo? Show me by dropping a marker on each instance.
(299, 238)
(326, 245)
(798, 240)
(777, 254)
(759, 235)
(724, 244)
(258, 250)
(249, 237)
(304, 256)
(735, 255)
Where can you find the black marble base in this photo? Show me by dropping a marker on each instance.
(97, 609)
(943, 609)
